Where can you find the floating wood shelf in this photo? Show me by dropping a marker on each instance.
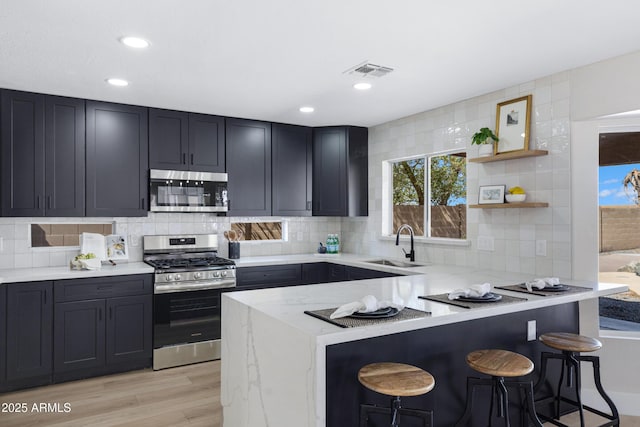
(510, 156)
(511, 205)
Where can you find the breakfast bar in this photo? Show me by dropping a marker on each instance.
(282, 366)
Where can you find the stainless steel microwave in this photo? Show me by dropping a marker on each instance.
(187, 191)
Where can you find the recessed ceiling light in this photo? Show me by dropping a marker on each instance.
(307, 109)
(135, 42)
(117, 82)
(362, 86)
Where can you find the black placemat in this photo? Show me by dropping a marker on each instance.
(542, 292)
(352, 322)
(444, 298)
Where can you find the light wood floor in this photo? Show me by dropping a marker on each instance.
(181, 397)
(187, 396)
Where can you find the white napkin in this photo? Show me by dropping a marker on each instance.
(367, 304)
(474, 291)
(542, 283)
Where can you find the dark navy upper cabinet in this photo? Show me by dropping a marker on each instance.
(64, 139)
(186, 141)
(291, 170)
(206, 143)
(117, 160)
(168, 139)
(248, 145)
(29, 331)
(43, 143)
(340, 171)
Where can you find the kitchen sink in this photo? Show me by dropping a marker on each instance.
(393, 263)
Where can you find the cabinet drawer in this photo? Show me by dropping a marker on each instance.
(102, 287)
(269, 276)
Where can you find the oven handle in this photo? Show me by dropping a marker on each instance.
(166, 288)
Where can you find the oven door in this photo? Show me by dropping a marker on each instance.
(186, 317)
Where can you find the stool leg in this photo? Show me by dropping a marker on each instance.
(395, 407)
(472, 382)
(543, 371)
(426, 416)
(574, 365)
(530, 403)
(558, 395)
(366, 409)
(595, 360)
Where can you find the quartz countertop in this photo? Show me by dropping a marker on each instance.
(266, 336)
(14, 275)
(288, 304)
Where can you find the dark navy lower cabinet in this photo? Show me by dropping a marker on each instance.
(129, 329)
(79, 335)
(102, 325)
(3, 336)
(29, 334)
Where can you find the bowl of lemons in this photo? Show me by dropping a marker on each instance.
(516, 195)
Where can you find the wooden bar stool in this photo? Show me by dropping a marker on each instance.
(500, 364)
(395, 380)
(571, 345)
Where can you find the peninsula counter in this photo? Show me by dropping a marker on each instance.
(282, 367)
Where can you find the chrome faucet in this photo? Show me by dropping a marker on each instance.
(412, 254)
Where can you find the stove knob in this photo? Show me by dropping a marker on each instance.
(197, 275)
(224, 274)
(169, 277)
(178, 277)
(216, 274)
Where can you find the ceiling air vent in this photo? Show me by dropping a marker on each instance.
(367, 69)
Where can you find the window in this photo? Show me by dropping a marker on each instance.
(258, 230)
(432, 200)
(46, 235)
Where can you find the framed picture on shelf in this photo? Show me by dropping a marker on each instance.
(513, 120)
(491, 194)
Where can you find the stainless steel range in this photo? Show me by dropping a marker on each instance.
(189, 280)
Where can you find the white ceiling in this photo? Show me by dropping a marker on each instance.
(263, 59)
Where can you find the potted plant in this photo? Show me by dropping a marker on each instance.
(485, 139)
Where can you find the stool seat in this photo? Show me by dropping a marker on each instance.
(500, 363)
(396, 379)
(565, 341)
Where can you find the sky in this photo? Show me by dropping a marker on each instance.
(610, 189)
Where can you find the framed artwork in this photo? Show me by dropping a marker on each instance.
(491, 194)
(513, 120)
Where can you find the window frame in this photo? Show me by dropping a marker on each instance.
(387, 199)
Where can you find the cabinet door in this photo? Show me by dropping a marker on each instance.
(129, 328)
(206, 143)
(117, 160)
(64, 156)
(356, 273)
(249, 167)
(29, 331)
(268, 276)
(292, 166)
(168, 139)
(337, 273)
(22, 141)
(317, 272)
(329, 172)
(79, 335)
(3, 335)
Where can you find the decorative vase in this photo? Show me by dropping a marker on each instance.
(485, 150)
